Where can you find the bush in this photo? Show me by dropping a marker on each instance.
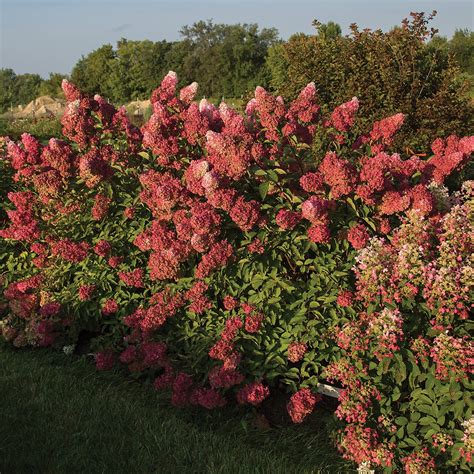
(212, 252)
(391, 72)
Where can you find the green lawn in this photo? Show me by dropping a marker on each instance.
(59, 415)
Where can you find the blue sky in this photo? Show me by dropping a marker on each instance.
(51, 35)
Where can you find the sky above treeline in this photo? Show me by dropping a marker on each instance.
(42, 36)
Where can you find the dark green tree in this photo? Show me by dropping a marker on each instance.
(52, 85)
(92, 73)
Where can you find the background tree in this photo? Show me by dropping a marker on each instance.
(328, 31)
(92, 73)
(17, 89)
(391, 72)
(52, 85)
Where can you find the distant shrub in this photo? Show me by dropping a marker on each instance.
(213, 251)
(389, 72)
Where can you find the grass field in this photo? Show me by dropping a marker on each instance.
(59, 415)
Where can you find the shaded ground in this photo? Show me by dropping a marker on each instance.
(59, 415)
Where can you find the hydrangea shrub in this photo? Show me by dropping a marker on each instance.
(218, 254)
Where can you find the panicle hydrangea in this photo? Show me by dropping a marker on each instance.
(86, 291)
(301, 404)
(230, 303)
(94, 168)
(355, 402)
(132, 278)
(361, 444)
(312, 182)
(253, 322)
(181, 389)
(338, 174)
(296, 351)
(287, 219)
(343, 116)
(165, 380)
(453, 356)
(319, 233)
(245, 213)
(358, 236)
(229, 151)
(345, 298)
(154, 353)
(442, 441)
(219, 255)
(270, 112)
(221, 377)
(110, 307)
(253, 393)
(68, 250)
(315, 210)
(187, 94)
(199, 301)
(449, 278)
(207, 398)
(167, 89)
(256, 246)
(105, 360)
(419, 462)
(115, 261)
(384, 130)
(305, 107)
(449, 154)
(103, 248)
(467, 450)
(100, 207)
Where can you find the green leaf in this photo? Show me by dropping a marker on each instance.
(263, 189)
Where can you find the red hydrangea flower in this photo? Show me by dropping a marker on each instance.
(70, 251)
(100, 207)
(86, 292)
(230, 303)
(154, 353)
(114, 262)
(253, 393)
(253, 322)
(319, 234)
(339, 174)
(315, 210)
(102, 248)
(385, 129)
(256, 246)
(245, 213)
(343, 116)
(358, 236)
(287, 220)
(207, 398)
(129, 212)
(301, 404)
(345, 298)
(133, 278)
(104, 360)
(128, 355)
(296, 351)
(181, 390)
(312, 182)
(222, 377)
(110, 307)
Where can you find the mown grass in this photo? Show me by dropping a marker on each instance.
(59, 415)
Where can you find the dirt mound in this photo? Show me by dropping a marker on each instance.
(43, 106)
(138, 107)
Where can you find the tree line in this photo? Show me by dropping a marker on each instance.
(228, 61)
